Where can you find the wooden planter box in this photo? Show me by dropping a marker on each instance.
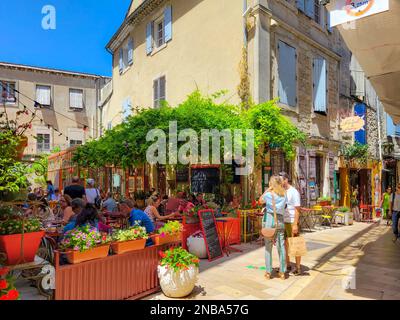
(95, 253)
(132, 275)
(158, 240)
(126, 246)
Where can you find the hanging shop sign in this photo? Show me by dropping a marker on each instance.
(350, 10)
(352, 124)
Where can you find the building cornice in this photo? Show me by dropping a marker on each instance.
(21, 67)
(136, 16)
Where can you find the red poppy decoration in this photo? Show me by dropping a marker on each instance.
(13, 295)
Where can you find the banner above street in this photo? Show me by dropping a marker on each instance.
(343, 11)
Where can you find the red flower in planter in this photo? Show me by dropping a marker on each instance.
(4, 271)
(3, 284)
(13, 295)
(162, 254)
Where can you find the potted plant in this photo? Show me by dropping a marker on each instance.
(129, 240)
(169, 232)
(178, 271)
(344, 215)
(85, 243)
(324, 201)
(7, 288)
(20, 239)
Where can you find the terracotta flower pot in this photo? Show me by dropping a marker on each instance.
(158, 239)
(126, 246)
(23, 143)
(16, 254)
(74, 256)
(177, 284)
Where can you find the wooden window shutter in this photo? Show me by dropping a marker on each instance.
(168, 23)
(287, 74)
(149, 38)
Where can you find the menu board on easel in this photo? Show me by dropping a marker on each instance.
(210, 232)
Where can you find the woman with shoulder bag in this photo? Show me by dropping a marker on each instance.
(273, 225)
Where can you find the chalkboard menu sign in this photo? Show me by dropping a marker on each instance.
(211, 237)
(205, 180)
(182, 174)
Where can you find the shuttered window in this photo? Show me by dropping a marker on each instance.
(168, 23)
(159, 87)
(43, 95)
(301, 5)
(149, 38)
(287, 73)
(126, 108)
(310, 8)
(43, 142)
(76, 98)
(121, 60)
(130, 51)
(319, 85)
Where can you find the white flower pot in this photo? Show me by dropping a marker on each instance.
(177, 284)
(197, 246)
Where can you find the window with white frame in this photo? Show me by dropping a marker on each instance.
(75, 143)
(159, 87)
(159, 31)
(76, 99)
(43, 95)
(43, 142)
(76, 136)
(8, 94)
(317, 11)
(320, 90)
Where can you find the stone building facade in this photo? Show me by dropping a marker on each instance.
(66, 113)
(293, 55)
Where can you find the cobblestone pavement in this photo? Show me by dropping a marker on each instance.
(348, 262)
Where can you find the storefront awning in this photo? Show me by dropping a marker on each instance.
(375, 42)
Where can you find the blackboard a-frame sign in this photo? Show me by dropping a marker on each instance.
(210, 232)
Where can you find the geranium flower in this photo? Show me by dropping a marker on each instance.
(13, 294)
(4, 271)
(3, 284)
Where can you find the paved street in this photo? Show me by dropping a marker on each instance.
(333, 255)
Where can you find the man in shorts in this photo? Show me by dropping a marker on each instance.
(291, 218)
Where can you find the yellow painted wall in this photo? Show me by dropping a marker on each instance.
(204, 53)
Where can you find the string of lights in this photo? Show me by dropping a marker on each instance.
(37, 105)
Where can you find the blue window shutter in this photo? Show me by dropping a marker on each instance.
(168, 23)
(328, 21)
(287, 74)
(149, 38)
(121, 60)
(360, 136)
(390, 126)
(309, 8)
(319, 84)
(300, 5)
(130, 51)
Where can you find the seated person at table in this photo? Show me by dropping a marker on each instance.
(77, 206)
(109, 203)
(137, 217)
(65, 204)
(44, 213)
(152, 212)
(162, 208)
(89, 215)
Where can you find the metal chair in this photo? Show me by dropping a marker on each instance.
(328, 216)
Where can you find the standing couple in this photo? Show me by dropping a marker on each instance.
(284, 199)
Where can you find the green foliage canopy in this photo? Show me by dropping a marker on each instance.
(125, 145)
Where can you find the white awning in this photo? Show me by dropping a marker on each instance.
(375, 42)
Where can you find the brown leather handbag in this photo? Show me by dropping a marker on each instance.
(269, 233)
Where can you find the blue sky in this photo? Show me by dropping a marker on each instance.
(83, 28)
